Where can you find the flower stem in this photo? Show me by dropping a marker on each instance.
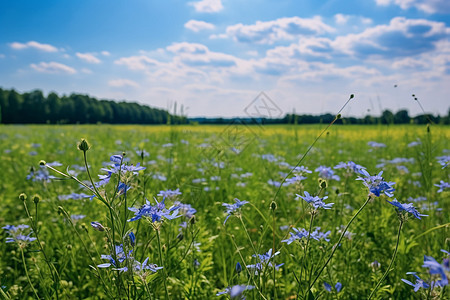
(161, 263)
(26, 272)
(338, 242)
(394, 255)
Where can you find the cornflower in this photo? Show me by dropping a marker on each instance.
(327, 173)
(264, 260)
(408, 208)
(419, 282)
(154, 212)
(376, 184)
(17, 236)
(232, 208)
(315, 201)
(442, 186)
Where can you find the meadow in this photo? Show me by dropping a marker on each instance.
(217, 212)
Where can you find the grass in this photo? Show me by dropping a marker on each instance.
(199, 258)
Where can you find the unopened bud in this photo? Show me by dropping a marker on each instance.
(352, 96)
(97, 226)
(83, 145)
(23, 197)
(338, 116)
(273, 205)
(36, 198)
(42, 162)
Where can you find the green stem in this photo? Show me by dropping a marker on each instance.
(394, 255)
(248, 236)
(338, 242)
(26, 272)
(306, 246)
(161, 263)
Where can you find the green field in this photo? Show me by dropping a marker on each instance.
(212, 165)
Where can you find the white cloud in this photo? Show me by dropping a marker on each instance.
(2, 55)
(207, 6)
(88, 57)
(141, 62)
(401, 37)
(35, 45)
(428, 6)
(196, 26)
(105, 53)
(53, 68)
(341, 19)
(118, 83)
(279, 29)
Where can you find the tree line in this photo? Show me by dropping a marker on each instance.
(34, 108)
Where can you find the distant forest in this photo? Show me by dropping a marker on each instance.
(34, 108)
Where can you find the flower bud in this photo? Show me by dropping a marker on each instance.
(36, 198)
(42, 163)
(83, 145)
(97, 226)
(273, 205)
(23, 197)
(238, 268)
(352, 96)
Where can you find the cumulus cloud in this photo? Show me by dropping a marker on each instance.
(197, 26)
(193, 54)
(53, 68)
(341, 19)
(118, 83)
(141, 62)
(428, 6)
(88, 57)
(207, 6)
(34, 45)
(401, 37)
(276, 30)
(105, 53)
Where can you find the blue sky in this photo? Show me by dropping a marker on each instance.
(215, 56)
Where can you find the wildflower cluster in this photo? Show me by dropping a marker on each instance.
(155, 213)
(16, 234)
(301, 233)
(315, 201)
(264, 261)
(233, 208)
(376, 184)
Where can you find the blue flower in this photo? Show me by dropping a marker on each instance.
(407, 207)
(436, 268)
(232, 208)
(376, 184)
(238, 268)
(350, 167)
(326, 173)
(120, 255)
(329, 288)
(315, 201)
(169, 193)
(264, 261)
(185, 210)
(419, 282)
(442, 186)
(154, 212)
(97, 226)
(17, 234)
(303, 233)
(74, 196)
(444, 161)
(235, 291)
